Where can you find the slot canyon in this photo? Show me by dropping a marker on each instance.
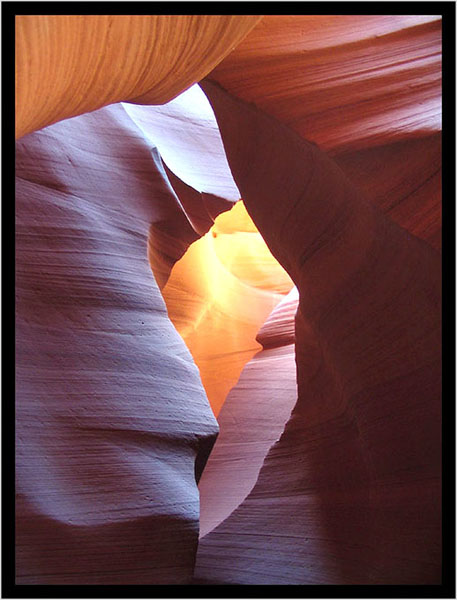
(228, 299)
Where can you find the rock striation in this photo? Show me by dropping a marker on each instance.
(327, 468)
(404, 180)
(113, 424)
(351, 492)
(67, 65)
(345, 82)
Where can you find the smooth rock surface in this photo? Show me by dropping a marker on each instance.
(67, 65)
(113, 424)
(345, 82)
(351, 492)
(252, 418)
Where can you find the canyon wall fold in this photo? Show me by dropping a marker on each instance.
(67, 65)
(351, 491)
(186, 134)
(252, 417)
(327, 468)
(345, 82)
(112, 423)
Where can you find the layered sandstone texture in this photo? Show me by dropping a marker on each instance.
(113, 423)
(218, 296)
(69, 65)
(148, 303)
(344, 82)
(111, 413)
(351, 491)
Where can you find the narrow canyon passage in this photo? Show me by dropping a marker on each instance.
(219, 292)
(212, 390)
(351, 483)
(234, 306)
(218, 296)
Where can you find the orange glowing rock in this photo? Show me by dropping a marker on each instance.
(113, 424)
(218, 296)
(67, 65)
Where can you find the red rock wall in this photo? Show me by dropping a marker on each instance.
(113, 425)
(404, 180)
(351, 492)
(345, 82)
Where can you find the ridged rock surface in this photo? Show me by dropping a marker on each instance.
(67, 65)
(351, 492)
(219, 295)
(252, 418)
(343, 81)
(113, 424)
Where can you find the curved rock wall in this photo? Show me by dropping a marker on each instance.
(67, 65)
(113, 424)
(345, 82)
(351, 492)
(112, 419)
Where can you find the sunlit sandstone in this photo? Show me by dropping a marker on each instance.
(67, 65)
(337, 481)
(218, 296)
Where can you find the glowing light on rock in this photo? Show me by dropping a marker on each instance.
(186, 134)
(218, 296)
